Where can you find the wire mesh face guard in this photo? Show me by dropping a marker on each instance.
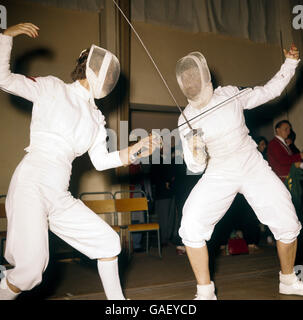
(194, 79)
(102, 71)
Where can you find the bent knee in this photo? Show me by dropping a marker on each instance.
(113, 247)
(116, 243)
(195, 233)
(288, 235)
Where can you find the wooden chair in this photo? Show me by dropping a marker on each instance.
(135, 205)
(3, 228)
(102, 207)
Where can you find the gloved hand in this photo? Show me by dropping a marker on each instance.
(197, 147)
(144, 148)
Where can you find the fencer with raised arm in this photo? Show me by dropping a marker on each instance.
(232, 164)
(65, 124)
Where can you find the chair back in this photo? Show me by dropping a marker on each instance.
(129, 193)
(96, 195)
(131, 204)
(101, 206)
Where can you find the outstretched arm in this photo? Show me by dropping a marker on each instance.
(17, 84)
(276, 85)
(102, 159)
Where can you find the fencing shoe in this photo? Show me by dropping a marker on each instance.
(290, 284)
(206, 292)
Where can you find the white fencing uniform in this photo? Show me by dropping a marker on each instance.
(64, 126)
(234, 166)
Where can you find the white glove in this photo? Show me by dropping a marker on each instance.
(197, 148)
(145, 147)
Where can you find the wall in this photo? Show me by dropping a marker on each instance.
(232, 61)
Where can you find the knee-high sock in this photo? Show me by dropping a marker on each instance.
(109, 274)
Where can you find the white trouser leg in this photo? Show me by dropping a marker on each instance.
(206, 205)
(82, 229)
(88, 233)
(27, 236)
(5, 292)
(271, 202)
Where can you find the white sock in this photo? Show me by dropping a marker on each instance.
(5, 292)
(206, 290)
(288, 279)
(109, 274)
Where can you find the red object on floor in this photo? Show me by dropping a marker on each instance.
(237, 246)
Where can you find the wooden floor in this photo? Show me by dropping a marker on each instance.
(147, 277)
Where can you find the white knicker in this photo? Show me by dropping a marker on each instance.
(38, 199)
(250, 175)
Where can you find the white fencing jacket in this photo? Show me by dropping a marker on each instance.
(64, 124)
(224, 130)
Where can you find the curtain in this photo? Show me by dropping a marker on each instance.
(85, 5)
(257, 20)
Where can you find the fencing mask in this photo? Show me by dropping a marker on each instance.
(102, 71)
(194, 79)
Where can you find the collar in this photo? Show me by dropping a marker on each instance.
(284, 145)
(80, 90)
(282, 140)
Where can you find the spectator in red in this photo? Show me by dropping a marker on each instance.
(280, 156)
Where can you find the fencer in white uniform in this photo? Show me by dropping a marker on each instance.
(232, 164)
(65, 124)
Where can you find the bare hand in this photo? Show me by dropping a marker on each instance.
(297, 164)
(22, 28)
(293, 53)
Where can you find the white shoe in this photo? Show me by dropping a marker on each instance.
(5, 292)
(206, 292)
(292, 287)
(296, 288)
